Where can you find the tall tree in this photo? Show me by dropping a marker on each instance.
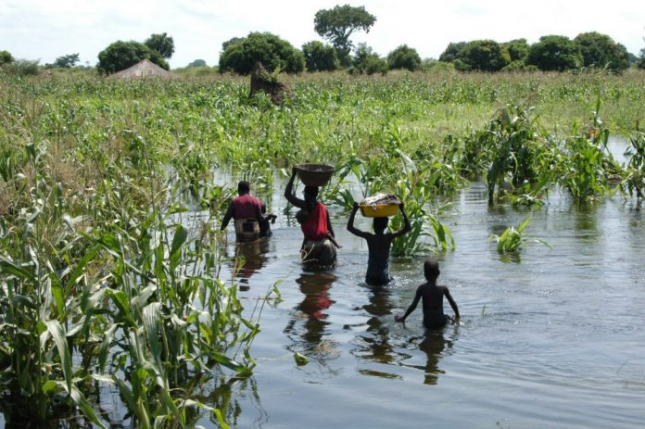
(404, 57)
(121, 55)
(66, 61)
(451, 52)
(6, 57)
(484, 55)
(518, 49)
(554, 53)
(600, 51)
(320, 57)
(338, 24)
(161, 43)
(270, 50)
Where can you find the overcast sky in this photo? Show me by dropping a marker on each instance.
(46, 29)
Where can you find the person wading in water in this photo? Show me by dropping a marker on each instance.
(247, 212)
(318, 247)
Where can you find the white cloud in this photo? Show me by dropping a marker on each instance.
(46, 29)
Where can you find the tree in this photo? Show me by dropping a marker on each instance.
(554, 53)
(366, 61)
(338, 24)
(66, 61)
(270, 50)
(121, 55)
(451, 52)
(600, 51)
(641, 61)
(320, 57)
(197, 63)
(6, 58)
(483, 55)
(404, 57)
(518, 49)
(161, 43)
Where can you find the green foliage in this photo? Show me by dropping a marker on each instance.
(6, 58)
(161, 43)
(122, 55)
(66, 61)
(22, 68)
(512, 240)
(197, 63)
(641, 60)
(270, 50)
(452, 52)
(366, 61)
(634, 182)
(404, 57)
(555, 53)
(338, 24)
(320, 57)
(600, 51)
(514, 152)
(483, 55)
(518, 49)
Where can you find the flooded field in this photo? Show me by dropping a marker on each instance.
(552, 338)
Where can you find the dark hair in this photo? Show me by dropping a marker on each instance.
(380, 223)
(243, 187)
(311, 191)
(431, 269)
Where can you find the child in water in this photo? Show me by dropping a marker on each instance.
(378, 245)
(432, 295)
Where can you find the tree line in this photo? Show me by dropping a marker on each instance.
(337, 25)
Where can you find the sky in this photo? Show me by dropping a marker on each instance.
(47, 29)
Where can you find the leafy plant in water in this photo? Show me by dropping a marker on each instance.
(634, 181)
(512, 240)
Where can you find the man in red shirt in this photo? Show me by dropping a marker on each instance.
(247, 212)
(318, 248)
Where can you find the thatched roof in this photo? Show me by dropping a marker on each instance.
(145, 68)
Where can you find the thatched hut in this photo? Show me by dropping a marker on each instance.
(143, 69)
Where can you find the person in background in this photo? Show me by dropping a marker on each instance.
(432, 296)
(378, 245)
(246, 210)
(318, 248)
(267, 220)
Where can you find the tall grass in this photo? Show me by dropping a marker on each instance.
(104, 282)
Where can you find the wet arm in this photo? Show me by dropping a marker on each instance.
(227, 216)
(406, 227)
(452, 302)
(350, 223)
(415, 302)
(288, 192)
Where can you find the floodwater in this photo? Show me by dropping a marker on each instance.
(552, 338)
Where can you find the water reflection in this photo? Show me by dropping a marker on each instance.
(376, 339)
(434, 345)
(249, 258)
(311, 311)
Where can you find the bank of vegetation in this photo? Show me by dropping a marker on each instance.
(107, 281)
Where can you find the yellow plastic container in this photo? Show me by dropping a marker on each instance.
(379, 210)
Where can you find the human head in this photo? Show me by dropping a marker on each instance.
(380, 223)
(243, 187)
(311, 193)
(431, 269)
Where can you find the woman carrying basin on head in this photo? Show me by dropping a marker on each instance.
(318, 247)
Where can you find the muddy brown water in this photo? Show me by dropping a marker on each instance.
(551, 338)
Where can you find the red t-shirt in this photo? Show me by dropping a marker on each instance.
(246, 206)
(315, 226)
